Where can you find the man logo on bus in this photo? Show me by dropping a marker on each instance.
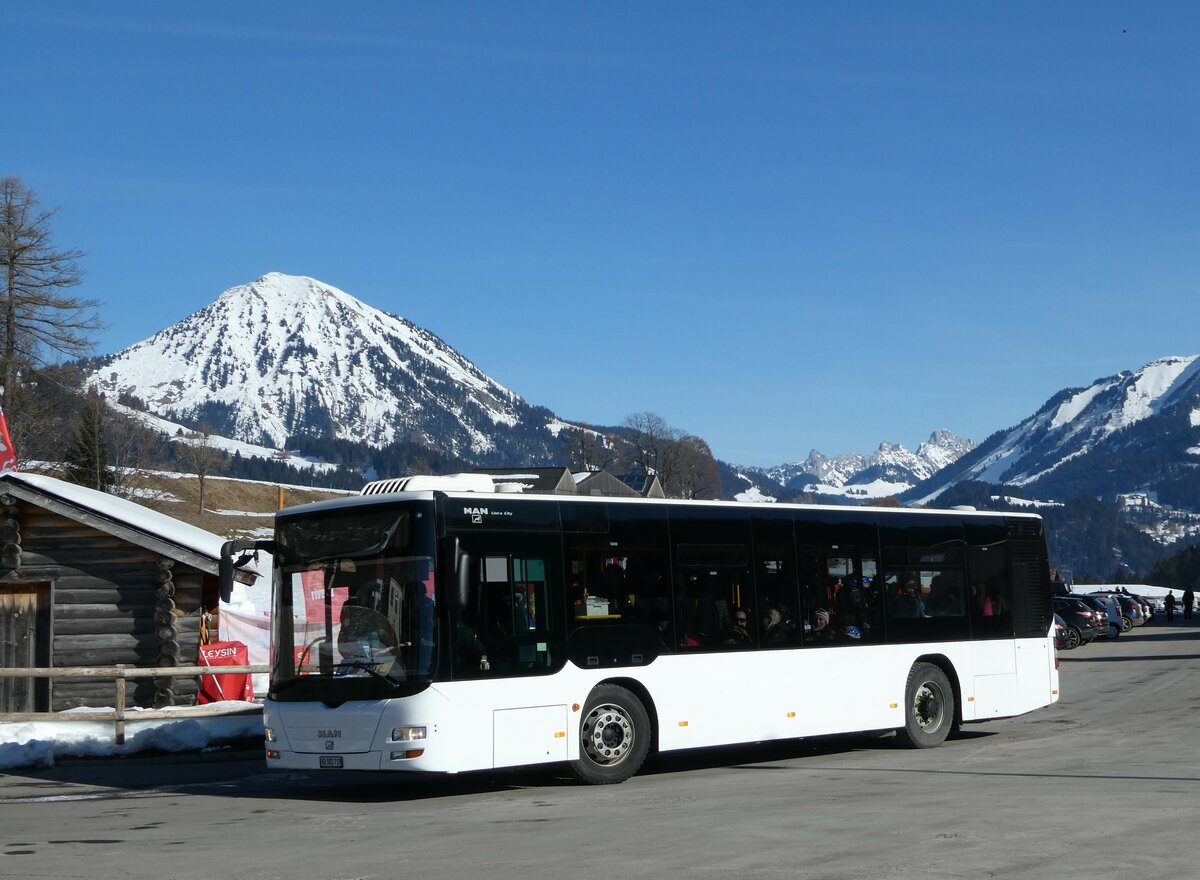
(478, 513)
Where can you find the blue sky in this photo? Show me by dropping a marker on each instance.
(780, 226)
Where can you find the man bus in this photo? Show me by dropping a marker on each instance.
(437, 624)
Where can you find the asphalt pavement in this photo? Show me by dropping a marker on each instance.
(1105, 783)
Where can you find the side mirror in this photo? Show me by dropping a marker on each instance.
(456, 573)
(227, 566)
(225, 572)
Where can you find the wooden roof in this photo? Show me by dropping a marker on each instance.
(141, 526)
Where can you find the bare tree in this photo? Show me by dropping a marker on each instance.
(36, 316)
(198, 454)
(694, 470)
(589, 450)
(133, 449)
(40, 414)
(651, 440)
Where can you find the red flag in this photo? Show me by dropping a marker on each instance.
(8, 455)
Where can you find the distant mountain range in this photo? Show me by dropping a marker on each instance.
(890, 470)
(289, 361)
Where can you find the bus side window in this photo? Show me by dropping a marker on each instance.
(511, 625)
(925, 598)
(988, 598)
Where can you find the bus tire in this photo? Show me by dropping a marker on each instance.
(928, 707)
(614, 736)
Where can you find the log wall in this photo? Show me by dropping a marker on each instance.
(113, 602)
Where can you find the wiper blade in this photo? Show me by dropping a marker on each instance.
(371, 667)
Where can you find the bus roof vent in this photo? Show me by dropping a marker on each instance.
(423, 483)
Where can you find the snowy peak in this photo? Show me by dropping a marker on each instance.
(891, 469)
(287, 355)
(1119, 416)
(1125, 399)
(943, 449)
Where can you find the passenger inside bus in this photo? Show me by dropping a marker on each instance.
(908, 601)
(367, 640)
(774, 631)
(737, 634)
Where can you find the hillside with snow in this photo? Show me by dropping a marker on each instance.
(1135, 432)
(288, 356)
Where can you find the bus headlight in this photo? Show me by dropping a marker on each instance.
(269, 734)
(407, 734)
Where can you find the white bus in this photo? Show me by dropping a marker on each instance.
(435, 624)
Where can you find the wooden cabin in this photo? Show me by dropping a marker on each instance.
(89, 579)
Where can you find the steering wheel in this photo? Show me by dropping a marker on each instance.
(307, 648)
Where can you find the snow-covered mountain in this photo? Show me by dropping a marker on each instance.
(1135, 432)
(889, 470)
(288, 355)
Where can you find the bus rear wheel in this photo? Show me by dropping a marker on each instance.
(928, 707)
(614, 736)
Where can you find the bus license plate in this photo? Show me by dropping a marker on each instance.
(332, 762)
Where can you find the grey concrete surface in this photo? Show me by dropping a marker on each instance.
(1104, 784)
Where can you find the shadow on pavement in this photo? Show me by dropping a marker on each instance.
(243, 774)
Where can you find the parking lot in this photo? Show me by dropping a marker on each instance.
(1107, 781)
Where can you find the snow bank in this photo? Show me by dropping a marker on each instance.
(41, 743)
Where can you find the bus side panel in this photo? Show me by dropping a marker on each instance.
(1012, 678)
(780, 694)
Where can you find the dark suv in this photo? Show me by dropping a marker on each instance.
(1082, 621)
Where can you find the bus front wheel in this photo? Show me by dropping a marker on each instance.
(928, 707)
(614, 736)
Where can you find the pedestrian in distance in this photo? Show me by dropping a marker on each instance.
(1170, 604)
(1189, 599)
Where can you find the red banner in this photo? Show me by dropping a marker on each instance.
(314, 597)
(230, 686)
(8, 455)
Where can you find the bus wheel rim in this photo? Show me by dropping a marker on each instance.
(608, 734)
(928, 705)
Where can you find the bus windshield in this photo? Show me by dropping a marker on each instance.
(354, 604)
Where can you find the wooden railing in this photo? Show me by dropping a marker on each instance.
(120, 674)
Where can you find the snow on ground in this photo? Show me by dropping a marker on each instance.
(753, 494)
(41, 743)
(179, 433)
(1025, 502)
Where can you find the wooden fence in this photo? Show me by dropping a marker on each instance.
(120, 674)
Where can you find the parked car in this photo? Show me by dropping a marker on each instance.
(1083, 622)
(1060, 633)
(1147, 606)
(1100, 607)
(1131, 611)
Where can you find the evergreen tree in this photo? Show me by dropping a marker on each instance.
(86, 459)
